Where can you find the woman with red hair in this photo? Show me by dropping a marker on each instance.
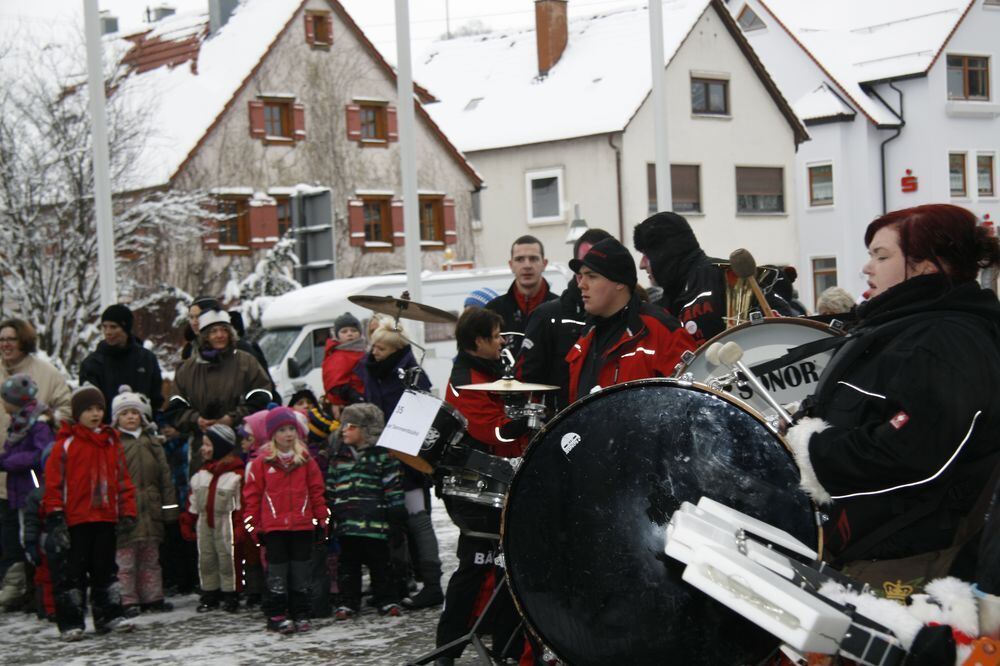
(901, 438)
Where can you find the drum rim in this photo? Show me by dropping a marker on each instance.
(657, 381)
(793, 321)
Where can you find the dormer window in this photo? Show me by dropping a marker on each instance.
(749, 20)
(319, 29)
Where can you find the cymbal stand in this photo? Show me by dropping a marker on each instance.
(473, 636)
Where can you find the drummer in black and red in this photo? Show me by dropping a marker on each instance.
(624, 338)
(489, 429)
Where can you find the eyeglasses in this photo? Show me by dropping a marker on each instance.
(8, 339)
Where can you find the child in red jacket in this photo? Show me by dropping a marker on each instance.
(341, 384)
(286, 510)
(88, 495)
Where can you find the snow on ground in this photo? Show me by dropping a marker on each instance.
(184, 636)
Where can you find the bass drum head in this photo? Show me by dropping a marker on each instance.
(763, 341)
(585, 521)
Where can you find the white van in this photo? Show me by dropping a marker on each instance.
(297, 324)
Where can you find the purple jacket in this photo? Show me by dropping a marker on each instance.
(22, 460)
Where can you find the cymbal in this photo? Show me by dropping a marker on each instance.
(508, 386)
(404, 309)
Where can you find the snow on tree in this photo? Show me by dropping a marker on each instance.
(272, 276)
(48, 239)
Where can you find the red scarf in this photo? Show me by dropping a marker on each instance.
(527, 305)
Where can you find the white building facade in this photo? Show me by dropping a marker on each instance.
(889, 128)
(581, 135)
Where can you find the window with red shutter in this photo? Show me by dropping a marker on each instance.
(234, 228)
(398, 232)
(263, 222)
(431, 222)
(353, 122)
(450, 227)
(319, 29)
(392, 132)
(299, 121)
(356, 222)
(257, 130)
(375, 224)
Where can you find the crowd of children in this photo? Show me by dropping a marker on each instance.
(284, 511)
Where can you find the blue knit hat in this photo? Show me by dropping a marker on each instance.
(479, 298)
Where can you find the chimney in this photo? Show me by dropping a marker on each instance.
(219, 12)
(550, 33)
(109, 23)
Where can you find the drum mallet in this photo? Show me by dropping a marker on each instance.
(744, 265)
(731, 354)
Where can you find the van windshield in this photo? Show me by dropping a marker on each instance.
(275, 343)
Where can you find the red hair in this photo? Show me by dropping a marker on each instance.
(947, 236)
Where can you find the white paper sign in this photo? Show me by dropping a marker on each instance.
(410, 422)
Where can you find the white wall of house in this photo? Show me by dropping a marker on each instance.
(936, 127)
(933, 129)
(754, 134)
(587, 167)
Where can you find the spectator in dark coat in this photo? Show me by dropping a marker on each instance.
(120, 360)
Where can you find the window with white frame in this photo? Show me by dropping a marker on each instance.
(544, 190)
(986, 174)
(824, 276)
(821, 185)
(760, 190)
(956, 175)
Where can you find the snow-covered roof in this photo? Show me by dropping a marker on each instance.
(860, 41)
(492, 95)
(821, 103)
(180, 103)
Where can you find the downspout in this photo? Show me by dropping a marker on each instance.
(618, 185)
(899, 130)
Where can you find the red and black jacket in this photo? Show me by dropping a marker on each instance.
(650, 346)
(515, 310)
(483, 410)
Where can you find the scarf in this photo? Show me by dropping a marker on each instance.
(25, 418)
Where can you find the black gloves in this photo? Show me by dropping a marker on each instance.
(58, 531)
(319, 534)
(514, 429)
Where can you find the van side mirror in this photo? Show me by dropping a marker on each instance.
(293, 369)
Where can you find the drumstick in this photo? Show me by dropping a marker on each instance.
(731, 354)
(744, 265)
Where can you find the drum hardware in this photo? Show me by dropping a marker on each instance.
(533, 412)
(752, 568)
(730, 354)
(473, 636)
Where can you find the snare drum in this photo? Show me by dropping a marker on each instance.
(446, 431)
(585, 521)
(763, 341)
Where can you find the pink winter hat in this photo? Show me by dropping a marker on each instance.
(284, 416)
(254, 423)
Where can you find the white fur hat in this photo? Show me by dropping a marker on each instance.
(129, 399)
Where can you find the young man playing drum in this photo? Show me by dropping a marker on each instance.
(489, 430)
(624, 338)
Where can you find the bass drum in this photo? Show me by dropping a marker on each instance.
(764, 341)
(585, 521)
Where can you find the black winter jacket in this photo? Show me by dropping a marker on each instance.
(551, 331)
(108, 368)
(914, 417)
(514, 319)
